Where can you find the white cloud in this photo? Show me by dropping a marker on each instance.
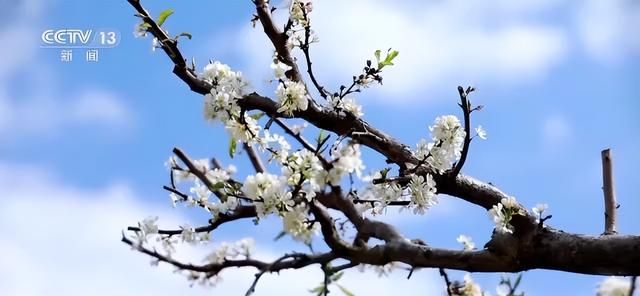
(100, 107)
(58, 239)
(556, 132)
(609, 29)
(43, 114)
(450, 42)
(41, 109)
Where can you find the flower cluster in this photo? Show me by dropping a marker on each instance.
(221, 102)
(303, 169)
(147, 226)
(468, 288)
(502, 213)
(384, 193)
(295, 223)
(299, 12)
(272, 196)
(346, 159)
(423, 193)
(240, 249)
(292, 96)
(448, 138)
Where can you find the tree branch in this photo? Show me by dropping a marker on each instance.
(610, 204)
(254, 157)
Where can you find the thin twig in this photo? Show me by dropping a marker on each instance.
(240, 212)
(610, 204)
(325, 164)
(256, 161)
(632, 288)
(466, 110)
(445, 276)
(307, 56)
(266, 269)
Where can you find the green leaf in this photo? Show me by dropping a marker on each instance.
(320, 137)
(377, 54)
(384, 172)
(345, 290)
(163, 16)
(318, 290)
(232, 146)
(145, 25)
(336, 276)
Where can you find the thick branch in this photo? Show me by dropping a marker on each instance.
(278, 38)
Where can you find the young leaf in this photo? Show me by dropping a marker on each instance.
(232, 146)
(377, 54)
(163, 16)
(388, 60)
(345, 290)
(185, 34)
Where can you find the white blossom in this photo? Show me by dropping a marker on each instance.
(297, 128)
(256, 185)
(292, 96)
(364, 81)
(423, 193)
(243, 132)
(346, 160)
(500, 219)
(147, 226)
(448, 136)
(275, 199)
(303, 164)
(174, 198)
(279, 153)
(384, 192)
(470, 288)
(171, 163)
(188, 234)
(139, 31)
(298, 10)
(466, 242)
(200, 191)
(481, 132)
(217, 176)
(241, 248)
(509, 202)
(279, 69)
(539, 209)
(614, 286)
(502, 212)
(348, 104)
(155, 44)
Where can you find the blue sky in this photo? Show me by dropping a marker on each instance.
(82, 145)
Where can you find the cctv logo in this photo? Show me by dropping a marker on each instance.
(66, 38)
